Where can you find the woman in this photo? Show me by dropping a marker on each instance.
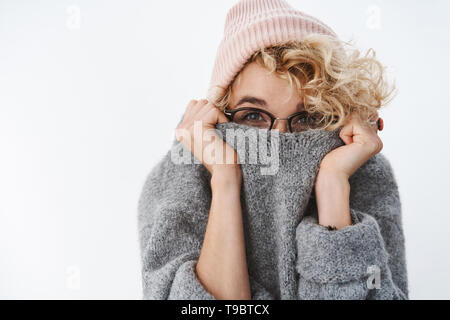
(327, 223)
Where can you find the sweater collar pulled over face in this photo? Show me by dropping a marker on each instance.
(278, 175)
(277, 191)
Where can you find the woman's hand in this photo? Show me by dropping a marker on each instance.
(332, 187)
(197, 133)
(361, 143)
(222, 265)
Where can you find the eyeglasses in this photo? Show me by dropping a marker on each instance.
(297, 122)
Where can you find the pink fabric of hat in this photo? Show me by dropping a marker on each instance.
(250, 25)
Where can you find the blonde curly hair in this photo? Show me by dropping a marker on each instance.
(331, 76)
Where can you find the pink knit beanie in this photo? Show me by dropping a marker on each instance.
(250, 25)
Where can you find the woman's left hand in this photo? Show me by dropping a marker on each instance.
(332, 187)
(361, 143)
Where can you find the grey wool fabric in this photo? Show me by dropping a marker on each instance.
(289, 255)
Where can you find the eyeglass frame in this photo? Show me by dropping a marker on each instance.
(230, 115)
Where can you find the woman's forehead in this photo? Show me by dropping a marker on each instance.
(256, 85)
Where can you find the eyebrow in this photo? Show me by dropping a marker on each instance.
(260, 102)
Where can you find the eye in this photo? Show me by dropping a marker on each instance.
(302, 120)
(305, 121)
(253, 116)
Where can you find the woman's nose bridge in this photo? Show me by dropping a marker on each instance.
(285, 126)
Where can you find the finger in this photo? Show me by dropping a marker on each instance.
(194, 110)
(202, 103)
(346, 133)
(222, 117)
(190, 106)
(365, 125)
(215, 113)
(204, 109)
(192, 102)
(367, 134)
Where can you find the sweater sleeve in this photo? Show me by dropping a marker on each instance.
(365, 260)
(172, 215)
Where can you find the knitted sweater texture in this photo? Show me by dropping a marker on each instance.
(289, 255)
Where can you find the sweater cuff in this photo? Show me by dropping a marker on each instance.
(338, 256)
(187, 286)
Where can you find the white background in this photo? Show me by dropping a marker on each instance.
(91, 91)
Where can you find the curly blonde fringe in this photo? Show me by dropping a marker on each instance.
(333, 78)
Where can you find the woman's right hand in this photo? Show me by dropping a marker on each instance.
(197, 133)
(222, 265)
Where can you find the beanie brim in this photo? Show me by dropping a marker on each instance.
(247, 32)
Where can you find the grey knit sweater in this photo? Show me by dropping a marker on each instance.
(289, 255)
